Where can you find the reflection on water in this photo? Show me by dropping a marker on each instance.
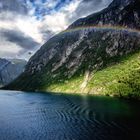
(36, 116)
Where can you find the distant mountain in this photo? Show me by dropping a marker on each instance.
(10, 69)
(72, 60)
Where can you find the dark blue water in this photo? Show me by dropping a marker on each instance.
(36, 116)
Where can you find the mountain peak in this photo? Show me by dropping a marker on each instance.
(78, 53)
(125, 13)
(121, 3)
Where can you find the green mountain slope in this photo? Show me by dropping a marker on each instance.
(100, 68)
(117, 79)
(95, 55)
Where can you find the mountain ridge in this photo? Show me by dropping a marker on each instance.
(10, 69)
(120, 12)
(84, 51)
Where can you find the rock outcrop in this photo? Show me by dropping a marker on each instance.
(124, 13)
(89, 44)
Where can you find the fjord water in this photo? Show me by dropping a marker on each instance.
(39, 116)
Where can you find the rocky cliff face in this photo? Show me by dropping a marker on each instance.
(124, 13)
(10, 69)
(80, 51)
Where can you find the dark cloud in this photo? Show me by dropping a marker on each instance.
(17, 6)
(19, 38)
(20, 26)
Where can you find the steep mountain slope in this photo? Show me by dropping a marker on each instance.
(118, 79)
(10, 69)
(124, 13)
(87, 46)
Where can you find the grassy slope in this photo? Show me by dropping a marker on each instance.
(120, 79)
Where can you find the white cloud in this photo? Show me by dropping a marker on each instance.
(8, 45)
(30, 26)
(55, 22)
(24, 20)
(72, 6)
(8, 48)
(58, 20)
(50, 3)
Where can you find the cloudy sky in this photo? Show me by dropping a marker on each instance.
(26, 24)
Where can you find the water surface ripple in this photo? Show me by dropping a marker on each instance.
(38, 116)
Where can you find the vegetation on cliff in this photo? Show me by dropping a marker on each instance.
(120, 79)
(98, 54)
